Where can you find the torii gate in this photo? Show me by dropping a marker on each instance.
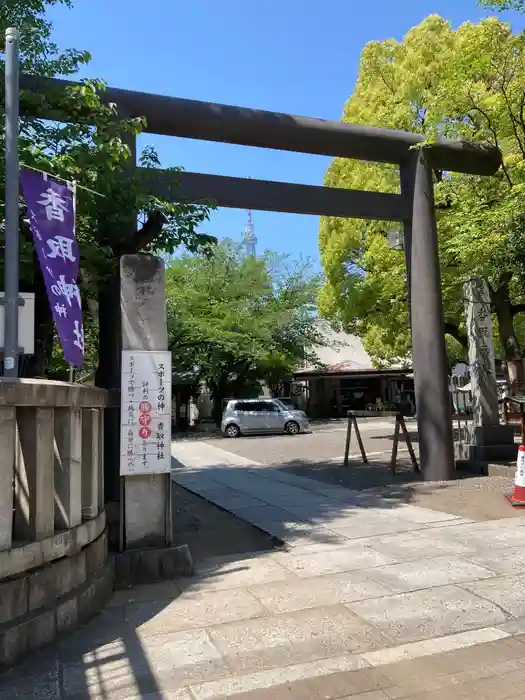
(414, 207)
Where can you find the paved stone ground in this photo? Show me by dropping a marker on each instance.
(444, 581)
(493, 670)
(371, 598)
(320, 456)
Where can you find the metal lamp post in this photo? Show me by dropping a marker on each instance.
(11, 259)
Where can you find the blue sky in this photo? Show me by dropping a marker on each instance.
(296, 56)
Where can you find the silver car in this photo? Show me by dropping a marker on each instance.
(246, 416)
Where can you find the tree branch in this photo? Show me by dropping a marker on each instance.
(453, 330)
(143, 237)
(506, 76)
(504, 279)
(493, 132)
(175, 344)
(514, 121)
(517, 309)
(521, 117)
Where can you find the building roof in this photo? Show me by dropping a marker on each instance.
(342, 354)
(353, 373)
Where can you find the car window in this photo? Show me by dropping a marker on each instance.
(259, 406)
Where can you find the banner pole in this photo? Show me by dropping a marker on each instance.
(11, 258)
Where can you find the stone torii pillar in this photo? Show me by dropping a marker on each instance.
(433, 405)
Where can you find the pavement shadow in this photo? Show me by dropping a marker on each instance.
(76, 665)
(297, 501)
(413, 434)
(123, 651)
(210, 531)
(374, 479)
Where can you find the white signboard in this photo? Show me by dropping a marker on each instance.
(145, 433)
(26, 323)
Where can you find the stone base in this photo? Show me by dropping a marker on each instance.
(489, 443)
(42, 603)
(488, 435)
(137, 566)
(486, 468)
(492, 453)
(146, 517)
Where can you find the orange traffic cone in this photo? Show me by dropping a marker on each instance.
(517, 500)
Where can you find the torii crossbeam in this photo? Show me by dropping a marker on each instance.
(414, 207)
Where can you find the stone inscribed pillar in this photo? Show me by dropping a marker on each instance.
(489, 441)
(481, 352)
(147, 509)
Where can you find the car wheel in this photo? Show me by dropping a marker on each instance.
(232, 431)
(292, 428)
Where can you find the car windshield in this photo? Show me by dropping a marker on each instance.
(287, 404)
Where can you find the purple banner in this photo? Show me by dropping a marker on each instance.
(51, 207)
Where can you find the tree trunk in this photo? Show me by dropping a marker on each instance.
(511, 347)
(516, 374)
(108, 377)
(218, 394)
(216, 411)
(454, 332)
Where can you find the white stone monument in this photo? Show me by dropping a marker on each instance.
(147, 512)
(488, 439)
(481, 352)
(147, 554)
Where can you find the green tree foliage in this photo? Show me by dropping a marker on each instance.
(90, 143)
(237, 321)
(501, 5)
(463, 84)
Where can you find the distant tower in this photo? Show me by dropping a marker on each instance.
(249, 239)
